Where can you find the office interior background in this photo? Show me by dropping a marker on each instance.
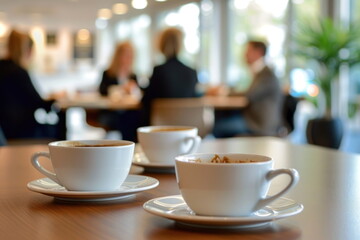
(75, 39)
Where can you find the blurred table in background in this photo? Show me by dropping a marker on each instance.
(92, 103)
(98, 102)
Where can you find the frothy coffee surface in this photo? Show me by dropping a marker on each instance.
(81, 144)
(169, 129)
(225, 159)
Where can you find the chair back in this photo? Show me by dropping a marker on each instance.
(183, 111)
(2, 138)
(288, 112)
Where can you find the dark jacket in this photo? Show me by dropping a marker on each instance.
(18, 102)
(172, 79)
(107, 81)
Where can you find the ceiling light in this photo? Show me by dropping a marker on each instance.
(241, 4)
(139, 4)
(161, 0)
(120, 8)
(298, 1)
(3, 29)
(83, 35)
(207, 6)
(104, 13)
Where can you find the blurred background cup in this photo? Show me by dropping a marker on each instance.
(161, 144)
(228, 184)
(91, 165)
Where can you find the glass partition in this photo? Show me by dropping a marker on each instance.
(206, 41)
(301, 78)
(354, 79)
(255, 19)
(187, 18)
(137, 30)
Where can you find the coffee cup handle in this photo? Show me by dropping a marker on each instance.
(195, 144)
(37, 165)
(294, 178)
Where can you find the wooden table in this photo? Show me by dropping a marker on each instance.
(98, 102)
(94, 101)
(329, 189)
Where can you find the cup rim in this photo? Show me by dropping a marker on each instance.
(182, 159)
(146, 129)
(125, 143)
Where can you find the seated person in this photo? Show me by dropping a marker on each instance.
(172, 79)
(120, 70)
(18, 97)
(262, 116)
(120, 79)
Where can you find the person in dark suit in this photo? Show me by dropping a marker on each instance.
(120, 79)
(173, 79)
(18, 97)
(263, 114)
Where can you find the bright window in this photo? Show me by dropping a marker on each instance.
(354, 85)
(187, 18)
(255, 19)
(301, 80)
(137, 30)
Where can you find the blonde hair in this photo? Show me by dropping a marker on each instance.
(18, 45)
(170, 42)
(119, 51)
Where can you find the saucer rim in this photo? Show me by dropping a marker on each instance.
(223, 221)
(91, 194)
(151, 164)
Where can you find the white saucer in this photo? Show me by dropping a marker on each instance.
(141, 160)
(174, 208)
(136, 170)
(133, 184)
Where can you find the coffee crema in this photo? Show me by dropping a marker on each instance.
(225, 159)
(79, 144)
(99, 145)
(169, 129)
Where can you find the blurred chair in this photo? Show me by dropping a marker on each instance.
(288, 118)
(182, 111)
(288, 111)
(2, 138)
(78, 128)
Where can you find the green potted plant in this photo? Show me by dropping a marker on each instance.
(326, 46)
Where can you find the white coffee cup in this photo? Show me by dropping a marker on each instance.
(90, 165)
(228, 189)
(161, 144)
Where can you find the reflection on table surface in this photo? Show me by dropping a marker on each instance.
(329, 188)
